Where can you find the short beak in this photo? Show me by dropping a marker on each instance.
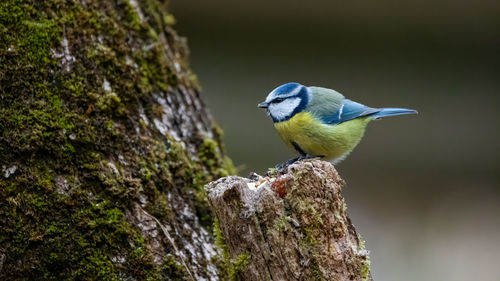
(263, 105)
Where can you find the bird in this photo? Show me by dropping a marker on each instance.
(318, 122)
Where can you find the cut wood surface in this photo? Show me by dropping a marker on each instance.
(290, 227)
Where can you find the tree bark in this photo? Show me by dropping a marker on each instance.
(290, 227)
(105, 145)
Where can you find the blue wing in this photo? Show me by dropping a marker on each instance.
(349, 110)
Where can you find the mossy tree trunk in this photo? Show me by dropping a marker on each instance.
(105, 145)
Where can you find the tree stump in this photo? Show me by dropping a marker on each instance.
(290, 227)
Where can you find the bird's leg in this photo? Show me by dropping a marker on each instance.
(280, 168)
(307, 156)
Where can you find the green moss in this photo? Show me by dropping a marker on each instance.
(315, 270)
(365, 269)
(229, 269)
(238, 266)
(211, 157)
(317, 220)
(172, 270)
(146, 173)
(309, 239)
(111, 102)
(143, 264)
(155, 20)
(365, 261)
(207, 153)
(98, 266)
(220, 242)
(131, 17)
(282, 222)
(169, 19)
(272, 172)
(224, 260)
(42, 33)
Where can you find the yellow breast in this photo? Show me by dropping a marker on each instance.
(318, 139)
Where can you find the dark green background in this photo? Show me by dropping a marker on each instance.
(423, 190)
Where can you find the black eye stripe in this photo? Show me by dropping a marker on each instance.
(278, 100)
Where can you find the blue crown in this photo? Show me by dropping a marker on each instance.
(286, 89)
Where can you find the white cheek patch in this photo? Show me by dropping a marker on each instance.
(283, 110)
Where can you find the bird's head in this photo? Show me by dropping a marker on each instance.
(285, 101)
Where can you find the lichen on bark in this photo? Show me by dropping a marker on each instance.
(105, 145)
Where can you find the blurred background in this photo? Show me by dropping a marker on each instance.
(424, 191)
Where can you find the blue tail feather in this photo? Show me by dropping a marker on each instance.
(393, 111)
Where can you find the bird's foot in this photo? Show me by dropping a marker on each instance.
(281, 168)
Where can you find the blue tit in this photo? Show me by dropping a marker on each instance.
(319, 122)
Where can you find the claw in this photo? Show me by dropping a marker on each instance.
(281, 168)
